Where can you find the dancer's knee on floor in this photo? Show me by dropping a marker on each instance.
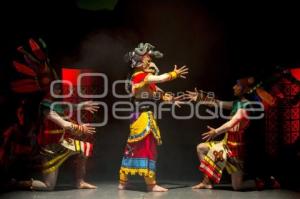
(42, 186)
(237, 187)
(49, 186)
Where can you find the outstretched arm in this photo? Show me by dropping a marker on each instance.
(181, 72)
(54, 117)
(240, 114)
(201, 96)
(170, 97)
(90, 106)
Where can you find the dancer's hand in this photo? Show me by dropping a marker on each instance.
(200, 95)
(211, 134)
(178, 100)
(83, 128)
(192, 96)
(181, 72)
(168, 97)
(175, 100)
(90, 106)
(88, 129)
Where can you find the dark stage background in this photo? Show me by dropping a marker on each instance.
(218, 40)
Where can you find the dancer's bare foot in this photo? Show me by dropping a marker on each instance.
(202, 186)
(156, 188)
(122, 186)
(85, 185)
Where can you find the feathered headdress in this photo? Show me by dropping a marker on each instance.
(246, 83)
(135, 56)
(263, 96)
(260, 94)
(35, 68)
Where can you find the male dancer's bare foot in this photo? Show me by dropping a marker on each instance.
(202, 186)
(156, 188)
(85, 185)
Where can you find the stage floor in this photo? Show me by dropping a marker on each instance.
(182, 191)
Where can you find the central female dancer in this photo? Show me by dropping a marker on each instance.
(140, 151)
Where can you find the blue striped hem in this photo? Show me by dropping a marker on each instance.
(139, 163)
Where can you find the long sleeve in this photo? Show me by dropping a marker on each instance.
(238, 116)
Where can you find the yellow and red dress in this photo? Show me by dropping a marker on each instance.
(141, 149)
